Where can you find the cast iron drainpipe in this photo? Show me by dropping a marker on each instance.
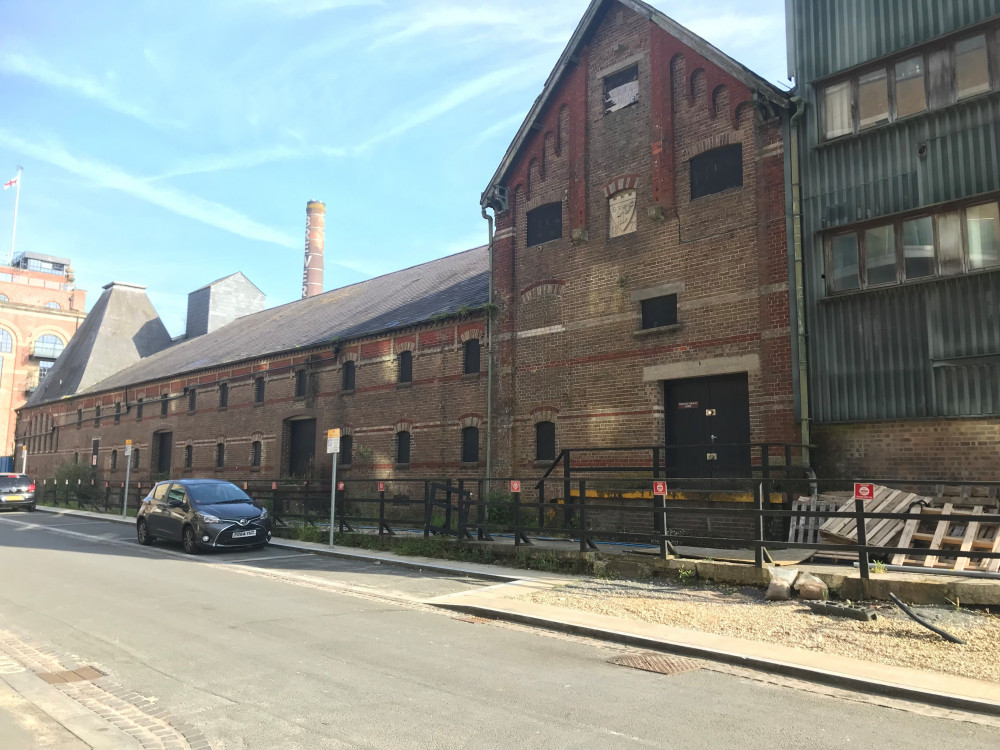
(489, 361)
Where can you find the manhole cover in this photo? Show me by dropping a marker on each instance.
(78, 675)
(657, 663)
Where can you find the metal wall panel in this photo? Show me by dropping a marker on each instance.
(916, 350)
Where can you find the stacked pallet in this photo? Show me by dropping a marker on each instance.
(880, 532)
(805, 529)
(930, 532)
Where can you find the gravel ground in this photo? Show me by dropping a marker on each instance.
(743, 613)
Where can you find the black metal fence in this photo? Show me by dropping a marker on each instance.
(584, 513)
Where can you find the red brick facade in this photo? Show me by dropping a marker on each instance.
(568, 343)
(25, 317)
(433, 407)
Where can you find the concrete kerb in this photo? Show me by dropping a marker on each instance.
(826, 677)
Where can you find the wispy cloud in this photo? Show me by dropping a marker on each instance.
(183, 204)
(486, 84)
(306, 7)
(544, 22)
(506, 126)
(87, 87)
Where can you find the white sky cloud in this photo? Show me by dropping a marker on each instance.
(177, 202)
(90, 88)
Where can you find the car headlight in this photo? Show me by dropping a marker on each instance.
(208, 518)
(263, 514)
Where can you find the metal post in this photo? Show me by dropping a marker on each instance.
(24, 459)
(583, 515)
(859, 514)
(333, 498)
(381, 513)
(128, 471)
(516, 496)
(566, 490)
(17, 201)
(758, 554)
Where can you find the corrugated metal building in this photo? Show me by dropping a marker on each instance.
(894, 178)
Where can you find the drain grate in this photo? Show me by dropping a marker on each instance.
(475, 620)
(657, 663)
(77, 675)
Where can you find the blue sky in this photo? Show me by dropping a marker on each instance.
(169, 143)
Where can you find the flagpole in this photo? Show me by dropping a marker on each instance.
(13, 234)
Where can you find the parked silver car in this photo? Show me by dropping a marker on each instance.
(17, 491)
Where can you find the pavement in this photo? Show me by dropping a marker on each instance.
(279, 631)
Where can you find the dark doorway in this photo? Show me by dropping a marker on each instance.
(301, 447)
(163, 448)
(712, 416)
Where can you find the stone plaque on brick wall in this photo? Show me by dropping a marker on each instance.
(622, 212)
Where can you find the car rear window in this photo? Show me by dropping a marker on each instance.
(9, 483)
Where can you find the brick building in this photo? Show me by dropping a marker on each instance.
(641, 275)
(639, 295)
(40, 310)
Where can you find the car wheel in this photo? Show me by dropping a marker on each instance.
(142, 534)
(190, 544)
(31, 508)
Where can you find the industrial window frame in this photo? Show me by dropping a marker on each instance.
(259, 389)
(223, 395)
(97, 415)
(164, 405)
(188, 456)
(118, 412)
(301, 383)
(114, 459)
(944, 263)
(192, 400)
(138, 409)
(220, 455)
(939, 70)
(256, 454)
(6, 341)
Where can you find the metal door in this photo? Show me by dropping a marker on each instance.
(708, 426)
(174, 508)
(302, 448)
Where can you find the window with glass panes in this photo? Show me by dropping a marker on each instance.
(946, 243)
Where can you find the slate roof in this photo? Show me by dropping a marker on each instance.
(568, 58)
(403, 298)
(119, 331)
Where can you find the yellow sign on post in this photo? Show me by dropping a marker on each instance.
(333, 441)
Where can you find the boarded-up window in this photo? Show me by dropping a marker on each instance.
(873, 98)
(472, 357)
(844, 263)
(470, 445)
(545, 441)
(406, 367)
(972, 67)
(659, 311)
(880, 255)
(544, 223)
(910, 94)
(621, 89)
(402, 447)
(717, 170)
(837, 109)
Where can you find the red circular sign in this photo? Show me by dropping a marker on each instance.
(515, 485)
(381, 486)
(659, 488)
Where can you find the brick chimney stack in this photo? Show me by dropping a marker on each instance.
(312, 272)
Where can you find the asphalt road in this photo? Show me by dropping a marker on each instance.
(273, 649)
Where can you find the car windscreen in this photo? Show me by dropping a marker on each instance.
(9, 483)
(210, 494)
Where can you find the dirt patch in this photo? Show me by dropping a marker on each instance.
(743, 613)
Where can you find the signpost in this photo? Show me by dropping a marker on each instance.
(24, 459)
(333, 446)
(128, 471)
(864, 490)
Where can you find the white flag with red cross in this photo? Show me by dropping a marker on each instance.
(10, 183)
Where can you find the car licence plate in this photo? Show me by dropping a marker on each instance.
(13, 498)
(241, 534)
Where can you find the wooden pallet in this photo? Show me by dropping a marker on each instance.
(880, 532)
(805, 529)
(929, 532)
